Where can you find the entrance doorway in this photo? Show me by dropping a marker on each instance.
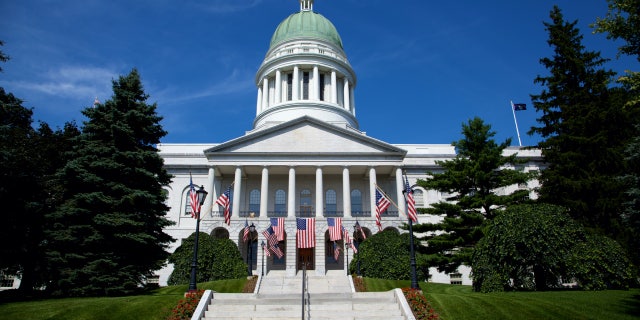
(306, 256)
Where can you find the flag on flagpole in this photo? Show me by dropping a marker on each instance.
(278, 227)
(272, 242)
(347, 239)
(277, 251)
(225, 201)
(411, 202)
(266, 250)
(335, 228)
(518, 106)
(193, 198)
(382, 203)
(306, 232)
(359, 228)
(245, 236)
(336, 251)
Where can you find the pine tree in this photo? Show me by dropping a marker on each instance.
(107, 236)
(471, 179)
(585, 129)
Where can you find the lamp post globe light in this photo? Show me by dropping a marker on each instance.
(252, 229)
(202, 194)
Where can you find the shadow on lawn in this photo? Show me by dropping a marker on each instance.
(632, 305)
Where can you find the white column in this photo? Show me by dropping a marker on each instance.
(291, 202)
(353, 102)
(347, 103)
(265, 93)
(316, 84)
(259, 102)
(278, 93)
(319, 193)
(399, 187)
(372, 190)
(346, 192)
(237, 193)
(295, 83)
(264, 192)
(334, 87)
(211, 189)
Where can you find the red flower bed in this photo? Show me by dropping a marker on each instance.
(185, 308)
(421, 308)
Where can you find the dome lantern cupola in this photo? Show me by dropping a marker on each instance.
(305, 73)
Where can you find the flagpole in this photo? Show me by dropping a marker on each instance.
(393, 203)
(412, 257)
(513, 110)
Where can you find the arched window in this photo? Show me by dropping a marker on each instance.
(418, 196)
(280, 205)
(330, 202)
(254, 201)
(187, 203)
(305, 197)
(356, 201)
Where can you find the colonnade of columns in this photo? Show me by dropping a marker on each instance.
(271, 91)
(291, 200)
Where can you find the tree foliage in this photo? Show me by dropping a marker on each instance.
(386, 255)
(537, 246)
(218, 259)
(107, 236)
(622, 22)
(585, 126)
(471, 179)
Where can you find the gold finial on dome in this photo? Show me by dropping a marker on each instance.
(306, 5)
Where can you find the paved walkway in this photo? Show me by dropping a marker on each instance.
(277, 282)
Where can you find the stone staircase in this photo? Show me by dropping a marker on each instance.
(330, 297)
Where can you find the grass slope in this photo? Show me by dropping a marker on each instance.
(455, 302)
(157, 304)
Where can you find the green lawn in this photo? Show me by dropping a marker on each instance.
(155, 305)
(455, 302)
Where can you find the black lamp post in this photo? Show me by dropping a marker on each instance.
(194, 263)
(252, 228)
(414, 278)
(346, 254)
(262, 245)
(357, 243)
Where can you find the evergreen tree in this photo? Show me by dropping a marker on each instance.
(107, 236)
(471, 179)
(585, 128)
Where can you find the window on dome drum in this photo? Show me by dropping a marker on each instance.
(322, 85)
(356, 201)
(254, 202)
(289, 86)
(305, 86)
(418, 196)
(187, 204)
(340, 90)
(330, 203)
(280, 205)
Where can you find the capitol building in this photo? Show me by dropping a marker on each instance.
(305, 156)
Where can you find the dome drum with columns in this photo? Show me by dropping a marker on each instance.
(305, 157)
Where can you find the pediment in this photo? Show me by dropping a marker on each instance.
(306, 136)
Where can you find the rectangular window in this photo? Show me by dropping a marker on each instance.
(305, 86)
(322, 85)
(289, 87)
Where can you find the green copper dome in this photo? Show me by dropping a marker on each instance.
(306, 24)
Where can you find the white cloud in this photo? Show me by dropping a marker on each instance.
(237, 81)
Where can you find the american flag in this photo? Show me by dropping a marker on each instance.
(245, 236)
(270, 236)
(225, 201)
(347, 239)
(193, 198)
(411, 202)
(359, 228)
(278, 227)
(382, 203)
(335, 228)
(265, 249)
(276, 249)
(306, 232)
(336, 251)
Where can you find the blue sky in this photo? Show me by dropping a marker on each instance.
(424, 67)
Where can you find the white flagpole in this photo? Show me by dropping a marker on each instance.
(513, 109)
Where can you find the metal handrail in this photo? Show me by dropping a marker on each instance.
(305, 289)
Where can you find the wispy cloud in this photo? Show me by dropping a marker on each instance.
(226, 6)
(70, 81)
(237, 81)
